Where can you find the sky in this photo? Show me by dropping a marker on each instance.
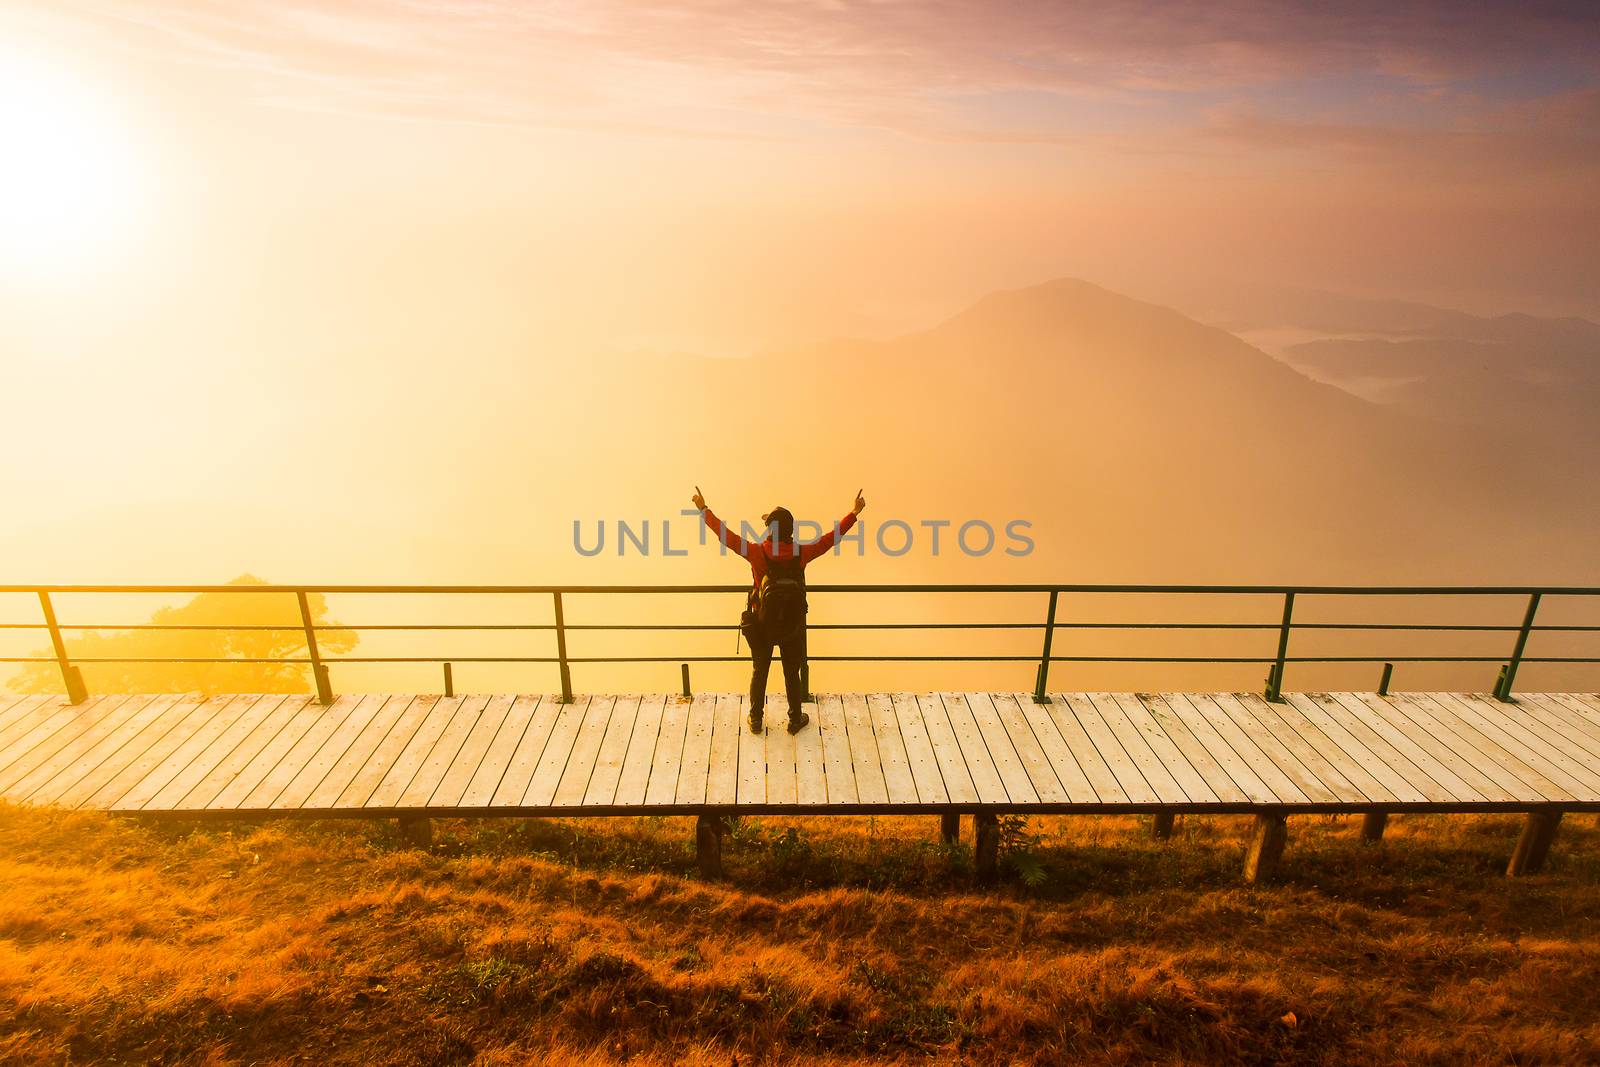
(257, 258)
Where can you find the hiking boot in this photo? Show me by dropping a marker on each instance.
(797, 721)
(755, 722)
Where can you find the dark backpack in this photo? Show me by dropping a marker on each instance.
(781, 597)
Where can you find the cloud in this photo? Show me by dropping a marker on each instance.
(737, 68)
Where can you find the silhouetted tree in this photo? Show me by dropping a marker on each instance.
(206, 609)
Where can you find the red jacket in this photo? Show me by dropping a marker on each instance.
(758, 553)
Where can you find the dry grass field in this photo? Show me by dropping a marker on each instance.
(832, 940)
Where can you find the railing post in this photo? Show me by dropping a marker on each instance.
(1508, 674)
(1043, 678)
(561, 652)
(686, 692)
(449, 681)
(1383, 683)
(70, 676)
(1274, 691)
(318, 671)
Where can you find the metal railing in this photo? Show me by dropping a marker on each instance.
(1048, 624)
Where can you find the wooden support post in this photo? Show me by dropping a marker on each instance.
(1042, 676)
(1161, 825)
(1538, 832)
(986, 846)
(416, 830)
(318, 671)
(1266, 848)
(708, 845)
(1372, 825)
(1383, 683)
(687, 694)
(1274, 689)
(950, 828)
(71, 677)
(1508, 673)
(561, 652)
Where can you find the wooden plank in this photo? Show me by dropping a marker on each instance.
(1497, 742)
(986, 780)
(537, 716)
(634, 779)
(41, 720)
(441, 757)
(381, 764)
(24, 708)
(256, 755)
(502, 749)
(1264, 758)
(1187, 776)
(695, 766)
(1470, 746)
(602, 791)
(72, 744)
(1029, 749)
(1375, 778)
(722, 775)
(362, 746)
(753, 759)
(1229, 775)
(1161, 783)
(558, 747)
(782, 780)
(666, 762)
(87, 763)
(1591, 700)
(9, 701)
(145, 753)
(1575, 712)
(1001, 751)
(1072, 782)
(585, 751)
(1102, 778)
(194, 759)
(924, 763)
(287, 754)
(1554, 731)
(1557, 753)
(837, 767)
(405, 764)
(47, 722)
(1397, 749)
(484, 726)
(899, 785)
(1386, 763)
(953, 769)
(871, 786)
(1260, 720)
(811, 781)
(1332, 758)
(1426, 751)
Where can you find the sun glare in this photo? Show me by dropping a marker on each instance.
(69, 185)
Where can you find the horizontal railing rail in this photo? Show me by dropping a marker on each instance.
(1284, 626)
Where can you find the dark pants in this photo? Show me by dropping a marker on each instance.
(793, 648)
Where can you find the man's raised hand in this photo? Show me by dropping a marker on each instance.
(698, 499)
(861, 502)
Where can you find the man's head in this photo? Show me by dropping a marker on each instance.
(784, 521)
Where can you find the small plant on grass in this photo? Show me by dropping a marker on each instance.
(1019, 851)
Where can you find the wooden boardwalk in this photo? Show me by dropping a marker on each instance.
(417, 755)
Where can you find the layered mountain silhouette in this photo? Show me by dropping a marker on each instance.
(1141, 442)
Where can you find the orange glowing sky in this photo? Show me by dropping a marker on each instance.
(222, 220)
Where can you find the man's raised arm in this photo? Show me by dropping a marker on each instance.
(825, 542)
(720, 528)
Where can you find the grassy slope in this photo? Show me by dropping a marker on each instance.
(851, 939)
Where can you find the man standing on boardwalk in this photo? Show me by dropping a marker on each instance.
(777, 604)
